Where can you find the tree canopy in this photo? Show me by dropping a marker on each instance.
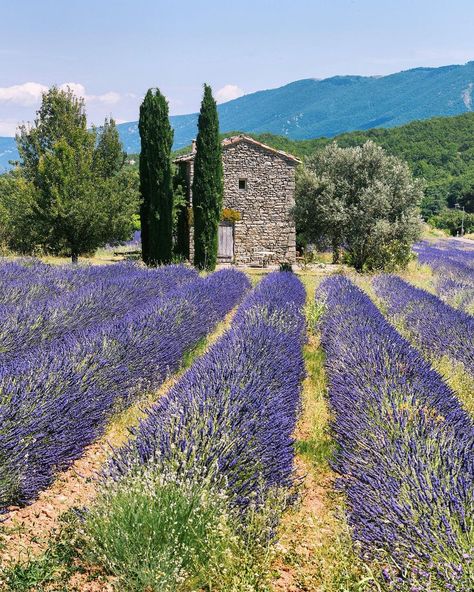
(109, 156)
(362, 201)
(156, 179)
(208, 184)
(455, 221)
(70, 193)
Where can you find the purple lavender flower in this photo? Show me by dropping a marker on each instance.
(406, 446)
(437, 328)
(452, 263)
(57, 397)
(231, 417)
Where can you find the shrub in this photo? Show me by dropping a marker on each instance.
(360, 200)
(452, 221)
(230, 215)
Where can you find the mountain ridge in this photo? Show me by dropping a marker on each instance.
(312, 108)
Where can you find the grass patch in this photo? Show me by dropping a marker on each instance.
(419, 275)
(458, 378)
(160, 533)
(315, 444)
(155, 533)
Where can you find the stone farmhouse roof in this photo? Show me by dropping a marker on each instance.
(231, 141)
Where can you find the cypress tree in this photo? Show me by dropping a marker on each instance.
(208, 185)
(156, 211)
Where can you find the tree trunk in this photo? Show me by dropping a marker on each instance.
(74, 258)
(335, 251)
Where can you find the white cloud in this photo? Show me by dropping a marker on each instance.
(228, 92)
(26, 94)
(29, 94)
(8, 127)
(78, 89)
(108, 98)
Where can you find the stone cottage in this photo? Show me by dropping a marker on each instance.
(259, 189)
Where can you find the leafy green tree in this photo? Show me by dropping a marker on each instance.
(59, 201)
(208, 184)
(109, 156)
(434, 199)
(17, 197)
(461, 193)
(60, 116)
(156, 188)
(361, 200)
(454, 221)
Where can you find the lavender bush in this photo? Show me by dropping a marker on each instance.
(437, 328)
(25, 279)
(56, 398)
(98, 297)
(192, 501)
(406, 448)
(452, 263)
(233, 413)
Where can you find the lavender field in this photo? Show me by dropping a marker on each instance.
(405, 455)
(452, 264)
(70, 361)
(313, 441)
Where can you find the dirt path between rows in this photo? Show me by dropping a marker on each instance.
(25, 532)
(314, 552)
(304, 528)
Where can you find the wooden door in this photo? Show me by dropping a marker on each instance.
(225, 243)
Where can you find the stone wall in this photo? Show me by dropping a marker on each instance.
(265, 205)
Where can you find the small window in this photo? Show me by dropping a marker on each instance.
(242, 184)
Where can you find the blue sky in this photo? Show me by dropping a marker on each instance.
(111, 51)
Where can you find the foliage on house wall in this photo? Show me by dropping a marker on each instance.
(230, 215)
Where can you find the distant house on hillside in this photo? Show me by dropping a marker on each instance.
(259, 188)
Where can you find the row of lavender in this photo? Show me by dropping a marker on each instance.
(453, 266)
(26, 279)
(87, 296)
(436, 328)
(406, 448)
(57, 397)
(231, 417)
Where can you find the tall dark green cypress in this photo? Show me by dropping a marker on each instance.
(156, 211)
(208, 184)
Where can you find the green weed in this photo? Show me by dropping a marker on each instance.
(49, 571)
(161, 533)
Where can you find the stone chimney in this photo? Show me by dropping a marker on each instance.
(193, 146)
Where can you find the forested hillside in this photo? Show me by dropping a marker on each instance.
(440, 150)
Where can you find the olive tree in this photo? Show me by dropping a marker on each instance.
(360, 201)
